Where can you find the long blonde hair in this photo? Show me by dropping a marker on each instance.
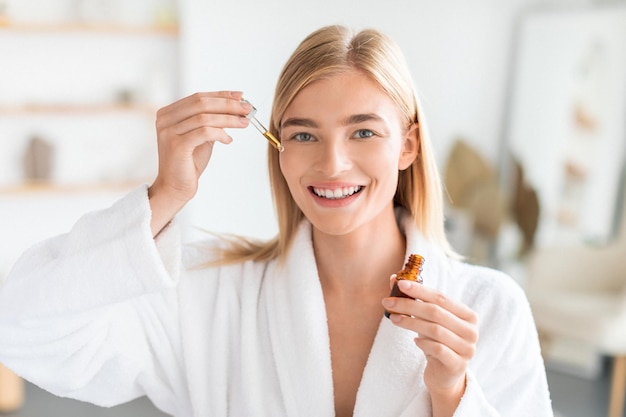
(328, 51)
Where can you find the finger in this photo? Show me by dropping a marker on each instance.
(225, 94)
(448, 358)
(430, 295)
(183, 145)
(460, 341)
(209, 120)
(433, 307)
(462, 344)
(204, 134)
(193, 97)
(201, 156)
(199, 105)
(430, 319)
(213, 102)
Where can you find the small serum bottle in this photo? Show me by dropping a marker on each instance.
(412, 272)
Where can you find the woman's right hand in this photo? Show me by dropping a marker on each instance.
(186, 132)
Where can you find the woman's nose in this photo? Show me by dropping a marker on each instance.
(334, 158)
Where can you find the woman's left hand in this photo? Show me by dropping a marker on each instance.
(447, 333)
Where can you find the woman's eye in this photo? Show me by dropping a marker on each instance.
(303, 137)
(363, 134)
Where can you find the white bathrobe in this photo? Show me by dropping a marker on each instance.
(103, 314)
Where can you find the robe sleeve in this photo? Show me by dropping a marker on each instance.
(508, 378)
(93, 314)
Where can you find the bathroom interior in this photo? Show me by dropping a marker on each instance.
(525, 102)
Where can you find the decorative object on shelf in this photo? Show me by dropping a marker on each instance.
(165, 14)
(472, 185)
(38, 160)
(525, 209)
(125, 97)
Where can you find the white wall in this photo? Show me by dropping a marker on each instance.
(52, 58)
(576, 63)
(458, 52)
(74, 76)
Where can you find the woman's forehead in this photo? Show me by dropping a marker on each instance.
(342, 97)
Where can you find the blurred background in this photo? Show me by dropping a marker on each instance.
(525, 102)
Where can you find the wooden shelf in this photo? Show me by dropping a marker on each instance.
(54, 188)
(113, 111)
(106, 28)
(72, 109)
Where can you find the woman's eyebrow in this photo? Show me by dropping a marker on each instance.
(351, 120)
(360, 118)
(298, 121)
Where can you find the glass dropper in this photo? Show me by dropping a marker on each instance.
(266, 133)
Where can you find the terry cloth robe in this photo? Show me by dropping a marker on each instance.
(106, 314)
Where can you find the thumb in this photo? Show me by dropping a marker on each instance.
(392, 280)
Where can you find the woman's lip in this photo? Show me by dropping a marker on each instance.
(335, 194)
(335, 185)
(335, 203)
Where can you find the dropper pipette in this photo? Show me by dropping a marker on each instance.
(266, 133)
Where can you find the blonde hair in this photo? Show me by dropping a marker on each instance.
(331, 50)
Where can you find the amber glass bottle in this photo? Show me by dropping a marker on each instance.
(412, 271)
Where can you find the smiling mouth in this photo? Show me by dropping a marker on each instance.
(337, 193)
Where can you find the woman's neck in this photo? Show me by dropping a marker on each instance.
(362, 259)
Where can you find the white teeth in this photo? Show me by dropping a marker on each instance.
(336, 193)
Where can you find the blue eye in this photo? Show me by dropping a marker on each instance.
(303, 137)
(363, 134)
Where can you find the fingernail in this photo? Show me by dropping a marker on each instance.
(388, 302)
(245, 105)
(405, 284)
(236, 94)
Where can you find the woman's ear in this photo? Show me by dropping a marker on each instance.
(410, 147)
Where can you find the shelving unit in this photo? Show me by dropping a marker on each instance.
(30, 188)
(76, 109)
(79, 27)
(90, 90)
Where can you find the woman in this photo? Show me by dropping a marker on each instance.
(117, 309)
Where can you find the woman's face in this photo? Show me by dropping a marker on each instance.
(345, 141)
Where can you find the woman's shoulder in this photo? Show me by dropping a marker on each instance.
(207, 258)
(202, 252)
(485, 288)
(485, 276)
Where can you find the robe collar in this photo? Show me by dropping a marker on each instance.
(392, 382)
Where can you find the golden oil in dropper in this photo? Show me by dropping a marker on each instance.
(266, 133)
